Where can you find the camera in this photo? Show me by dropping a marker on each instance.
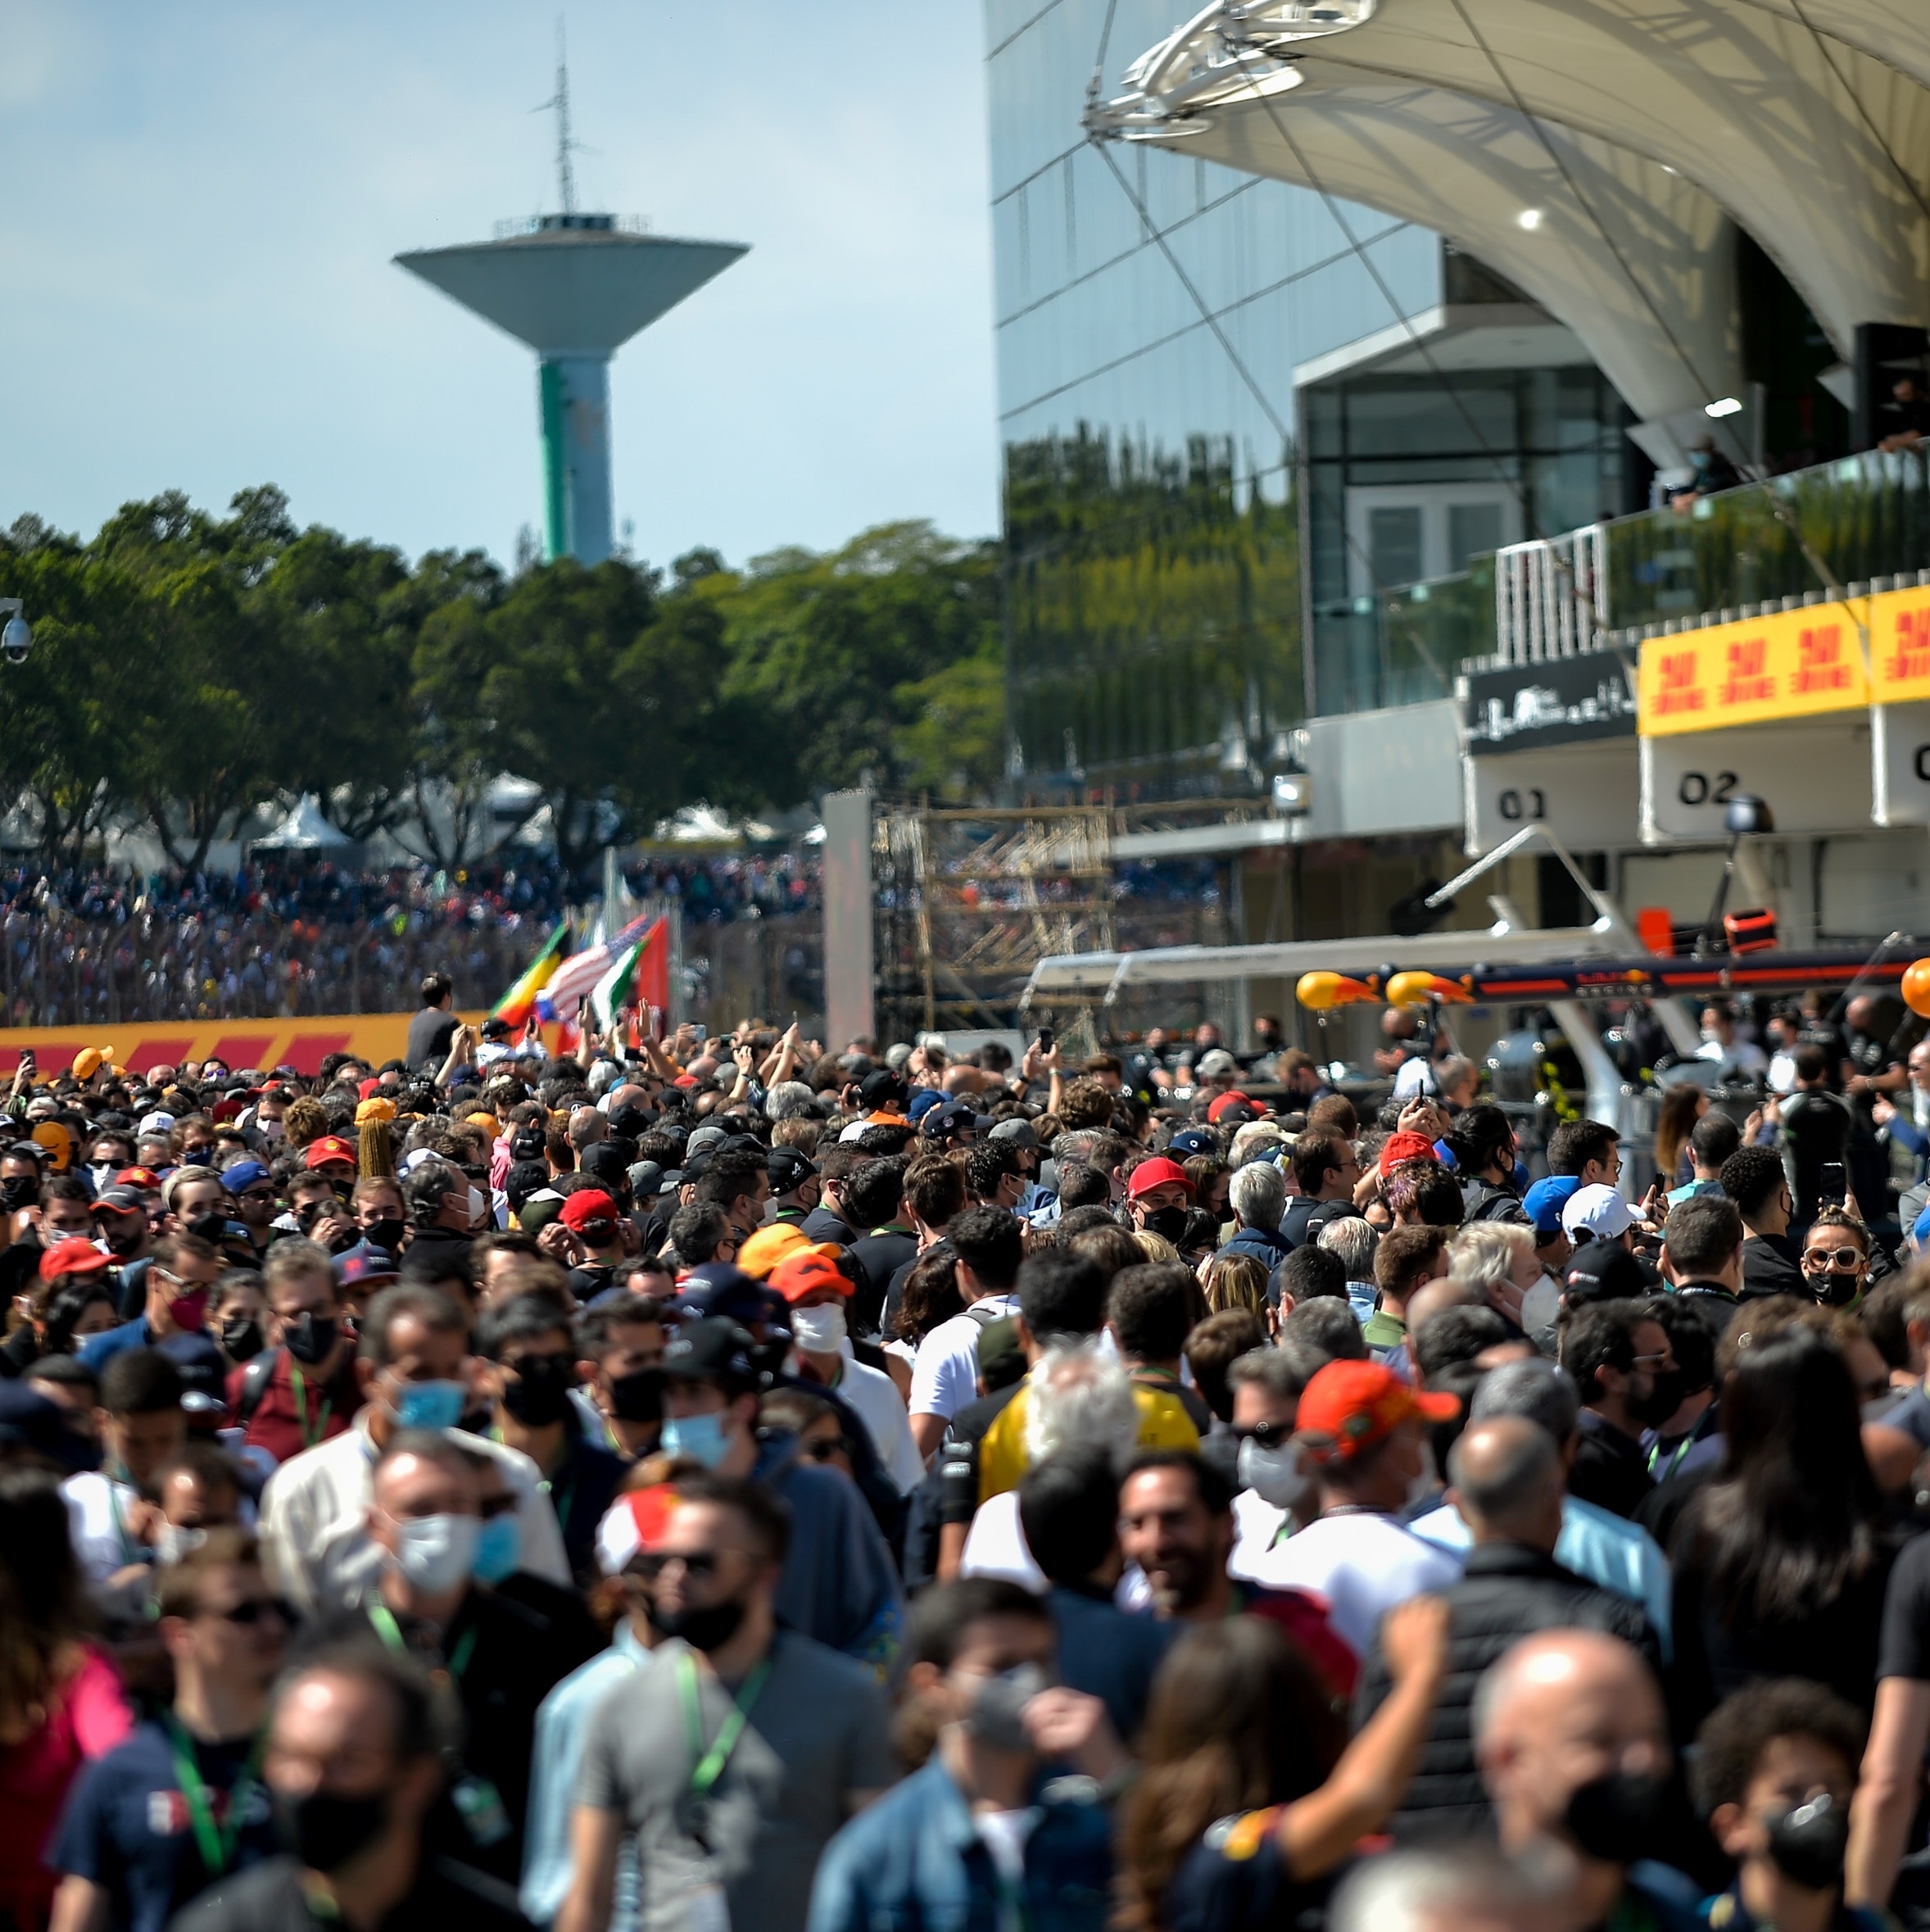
(16, 640)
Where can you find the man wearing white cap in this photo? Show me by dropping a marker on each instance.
(1598, 1213)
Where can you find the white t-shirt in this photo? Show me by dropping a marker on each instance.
(98, 1510)
(1256, 1524)
(1360, 1565)
(874, 1396)
(945, 1371)
(995, 1545)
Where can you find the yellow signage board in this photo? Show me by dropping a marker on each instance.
(1791, 664)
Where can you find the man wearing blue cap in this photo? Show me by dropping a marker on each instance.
(251, 1193)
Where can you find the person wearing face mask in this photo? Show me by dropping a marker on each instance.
(237, 1315)
(1774, 1774)
(198, 1205)
(1835, 1259)
(376, 1205)
(300, 1388)
(503, 1655)
(1364, 1430)
(1505, 1480)
(838, 1584)
(735, 1757)
(1157, 1195)
(436, 1195)
(1279, 1489)
(198, 1490)
(532, 1356)
(1624, 1366)
(983, 1834)
(354, 1764)
(817, 1293)
(1573, 1743)
(619, 1394)
(413, 1370)
(173, 1314)
(141, 1429)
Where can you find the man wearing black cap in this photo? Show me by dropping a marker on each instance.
(793, 1186)
(839, 1584)
(883, 1095)
(951, 1123)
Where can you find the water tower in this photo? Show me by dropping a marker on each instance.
(575, 288)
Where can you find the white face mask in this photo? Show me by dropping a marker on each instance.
(818, 1330)
(477, 1203)
(436, 1553)
(271, 1129)
(1277, 1475)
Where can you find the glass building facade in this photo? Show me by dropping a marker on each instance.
(1165, 550)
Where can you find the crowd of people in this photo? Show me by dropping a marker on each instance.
(732, 1483)
(101, 947)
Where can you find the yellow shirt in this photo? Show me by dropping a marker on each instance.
(1163, 1424)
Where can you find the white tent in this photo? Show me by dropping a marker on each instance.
(303, 830)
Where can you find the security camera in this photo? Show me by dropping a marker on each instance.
(16, 640)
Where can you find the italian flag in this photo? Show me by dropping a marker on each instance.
(639, 972)
(519, 1002)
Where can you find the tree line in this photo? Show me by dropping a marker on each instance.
(186, 668)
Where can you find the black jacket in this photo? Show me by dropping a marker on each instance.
(1507, 1592)
(1611, 1469)
(1770, 1269)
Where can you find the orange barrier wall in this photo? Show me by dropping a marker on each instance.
(302, 1044)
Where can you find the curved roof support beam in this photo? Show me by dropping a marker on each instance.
(1482, 176)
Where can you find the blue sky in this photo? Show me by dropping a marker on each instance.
(198, 205)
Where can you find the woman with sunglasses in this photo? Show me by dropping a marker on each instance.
(1835, 1259)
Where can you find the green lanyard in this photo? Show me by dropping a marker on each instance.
(216, 1842)
(299, 1389)
(708, 1768)
(391, 1633)
(1681, 1449)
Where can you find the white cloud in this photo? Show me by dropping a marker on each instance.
(201, 204)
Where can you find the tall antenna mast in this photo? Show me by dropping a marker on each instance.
(565, 177)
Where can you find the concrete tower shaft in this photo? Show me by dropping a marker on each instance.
(575, 288)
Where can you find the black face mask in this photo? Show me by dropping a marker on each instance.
(702, 1630)
(210, 1226)
(638, 1397)
(241, 1338)
(1662, 1401)
(1169, 1223)
(1835, 1290)
(1617, 1818)
(325, 1831)
(387, 1232)
(22, 1191)
(309, 1337)
(540, 1395)
(1808, 1843)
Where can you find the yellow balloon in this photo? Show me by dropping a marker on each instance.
(1916, 988)
(1318, 992)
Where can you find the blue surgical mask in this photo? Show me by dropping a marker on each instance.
(498, 1549)
(702, 1438)
(430, 1405)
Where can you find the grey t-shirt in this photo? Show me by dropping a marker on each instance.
(819, 1730)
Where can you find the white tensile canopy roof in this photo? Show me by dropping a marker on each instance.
(1589, 150)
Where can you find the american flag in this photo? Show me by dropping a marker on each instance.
(575, 979)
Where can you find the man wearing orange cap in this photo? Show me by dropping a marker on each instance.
(1364, 1430)
(816, 1289)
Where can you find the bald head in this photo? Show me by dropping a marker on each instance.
(1506, 1476)
(1441, 1292)
(1558, 1711)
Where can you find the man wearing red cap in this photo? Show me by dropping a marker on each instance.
(1157, 1195)
(331, 1155)
(1363, 1429)
(816, 1291)
(593, 1217)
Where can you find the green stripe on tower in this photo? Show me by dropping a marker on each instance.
(555, 468)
